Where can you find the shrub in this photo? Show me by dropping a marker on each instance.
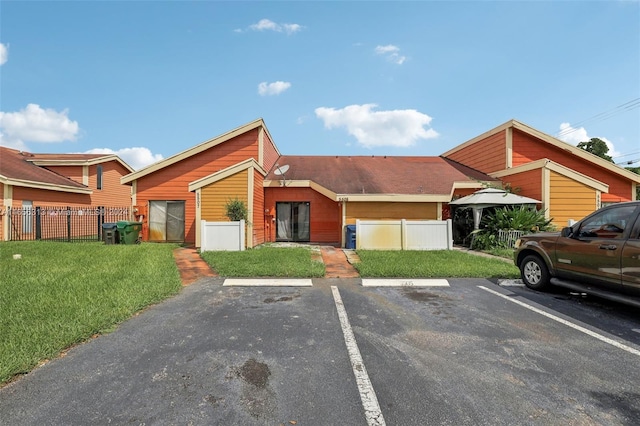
(236, 210)
(518, 218)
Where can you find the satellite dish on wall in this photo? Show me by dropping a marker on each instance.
(281, 170)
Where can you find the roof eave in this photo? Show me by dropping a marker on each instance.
(44, 185)
(83, 162)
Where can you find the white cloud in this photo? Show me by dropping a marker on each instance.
(4, 54)
(275, 88)
(575, 135)
(268, 25)
(34, 124)
(136, 157)
(396, 128)
(392, 53)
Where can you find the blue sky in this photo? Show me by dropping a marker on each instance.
(147, 80)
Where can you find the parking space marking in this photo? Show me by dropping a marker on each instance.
(567, 323)
(367, 393)
(510, 283)
(408, 282)
(268, 282)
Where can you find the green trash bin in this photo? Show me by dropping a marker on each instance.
(129, 231)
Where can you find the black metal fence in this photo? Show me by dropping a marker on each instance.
(62, 223)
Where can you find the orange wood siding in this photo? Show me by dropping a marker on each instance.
(172, 182)
(325, 214)
(43, 197)
(389, 211)
(71, 172)
(569, 200)
(527, 148)
(488, 155)
(527, 184)
(112, 192)
(258, 209)
(270, 153)
(214, 197)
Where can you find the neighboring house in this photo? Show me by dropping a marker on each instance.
(29, 180)
(172, 196)
(569, 181)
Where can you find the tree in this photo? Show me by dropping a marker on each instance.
(597, 147)
(635, 170)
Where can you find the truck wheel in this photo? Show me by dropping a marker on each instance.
(534, 273)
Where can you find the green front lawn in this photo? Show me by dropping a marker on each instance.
(431, 264)
(60, 294)
(265, 261)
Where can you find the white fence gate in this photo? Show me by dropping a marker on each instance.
(404, 234)
(222, 236)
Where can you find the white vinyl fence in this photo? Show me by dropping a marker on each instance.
(222, 236)
(404, 234)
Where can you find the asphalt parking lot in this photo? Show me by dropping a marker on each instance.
(471, 353)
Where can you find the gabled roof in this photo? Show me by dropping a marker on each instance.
(545, 163)
(195, 150)
(17, 168)
(378, 178)
(76, 160)
(224, 173)
(581, 153)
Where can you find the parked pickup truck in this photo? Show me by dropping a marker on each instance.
(598, 255)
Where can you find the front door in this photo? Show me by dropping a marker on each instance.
(166, 221)
(292, 221)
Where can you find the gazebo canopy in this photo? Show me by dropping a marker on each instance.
(490, 197)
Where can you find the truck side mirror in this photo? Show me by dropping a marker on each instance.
(567, 232)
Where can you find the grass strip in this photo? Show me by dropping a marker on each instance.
(59, 294)
(431, 264)
(281, 262)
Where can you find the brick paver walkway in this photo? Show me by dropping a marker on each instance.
(336, 264)
(191, 265)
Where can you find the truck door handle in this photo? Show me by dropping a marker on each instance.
(608, 247)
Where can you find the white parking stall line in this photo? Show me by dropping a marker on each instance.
(510, 283)
(267, 282)
(401, 282)
(598, 336)
(367, 393)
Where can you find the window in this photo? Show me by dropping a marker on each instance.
(166, 221)
(27, 217)
(292, 221)
(609, 223)
(99, 177)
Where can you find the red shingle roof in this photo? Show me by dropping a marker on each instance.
(379, 174)
(17, 165)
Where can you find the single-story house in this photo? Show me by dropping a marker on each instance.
(313, 198)
(29, 180)
(318, 196)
